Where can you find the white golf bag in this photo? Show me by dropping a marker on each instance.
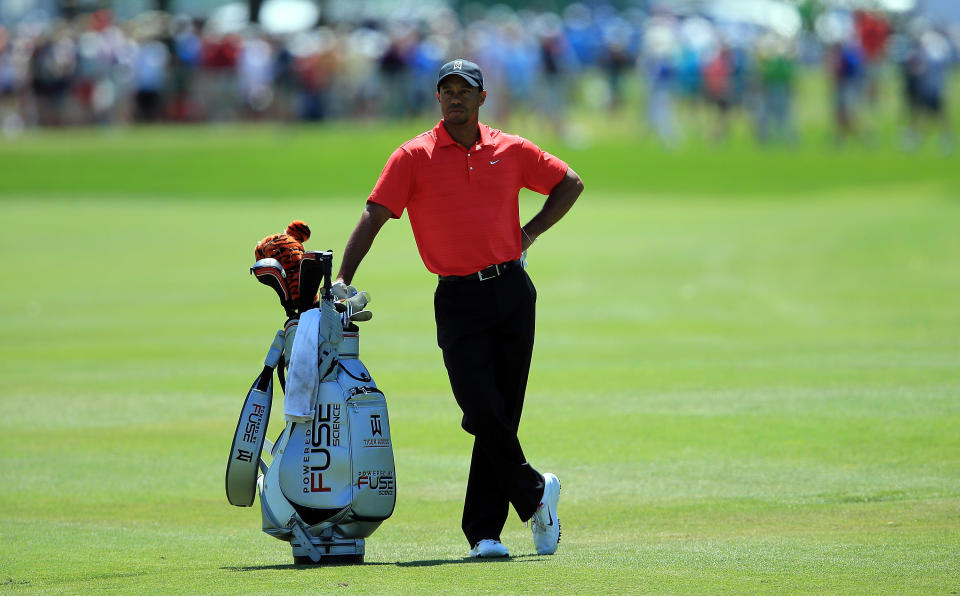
(328, 482)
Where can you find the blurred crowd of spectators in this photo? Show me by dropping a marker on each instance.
(160, 67)
(696, 64)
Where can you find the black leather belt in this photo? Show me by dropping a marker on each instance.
(484, 274)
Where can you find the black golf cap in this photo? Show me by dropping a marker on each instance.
(470, 72)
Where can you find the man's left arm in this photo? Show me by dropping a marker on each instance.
(558, 202)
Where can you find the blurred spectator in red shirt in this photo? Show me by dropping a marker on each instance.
(873, 31)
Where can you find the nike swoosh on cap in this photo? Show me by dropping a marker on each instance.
(492, 163)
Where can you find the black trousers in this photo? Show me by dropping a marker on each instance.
(485, 330)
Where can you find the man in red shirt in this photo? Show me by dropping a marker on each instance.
(460, 184)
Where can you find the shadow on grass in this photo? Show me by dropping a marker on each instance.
(425, 563)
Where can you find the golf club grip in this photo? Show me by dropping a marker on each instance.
(327, 269)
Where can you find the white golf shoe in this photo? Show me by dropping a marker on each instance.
(545, 524)
(488, 549)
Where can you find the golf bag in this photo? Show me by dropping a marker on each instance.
(329, 479)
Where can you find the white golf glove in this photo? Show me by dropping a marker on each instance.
(351, 303)
(523, 259)
(342, 291)
(357, 302)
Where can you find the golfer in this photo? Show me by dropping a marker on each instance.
(460, 182)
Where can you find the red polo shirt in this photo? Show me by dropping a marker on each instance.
(464, 203)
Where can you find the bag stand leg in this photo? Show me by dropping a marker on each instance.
(325, 549)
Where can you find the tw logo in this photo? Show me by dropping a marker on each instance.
(375, 428)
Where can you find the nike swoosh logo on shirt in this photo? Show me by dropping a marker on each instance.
(493, 163)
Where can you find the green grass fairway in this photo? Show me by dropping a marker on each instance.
(746, 375)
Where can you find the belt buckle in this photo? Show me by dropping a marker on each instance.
(496, 272)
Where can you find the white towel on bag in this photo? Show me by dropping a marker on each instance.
(302, 377)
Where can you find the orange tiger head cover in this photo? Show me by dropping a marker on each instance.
(288, 249)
